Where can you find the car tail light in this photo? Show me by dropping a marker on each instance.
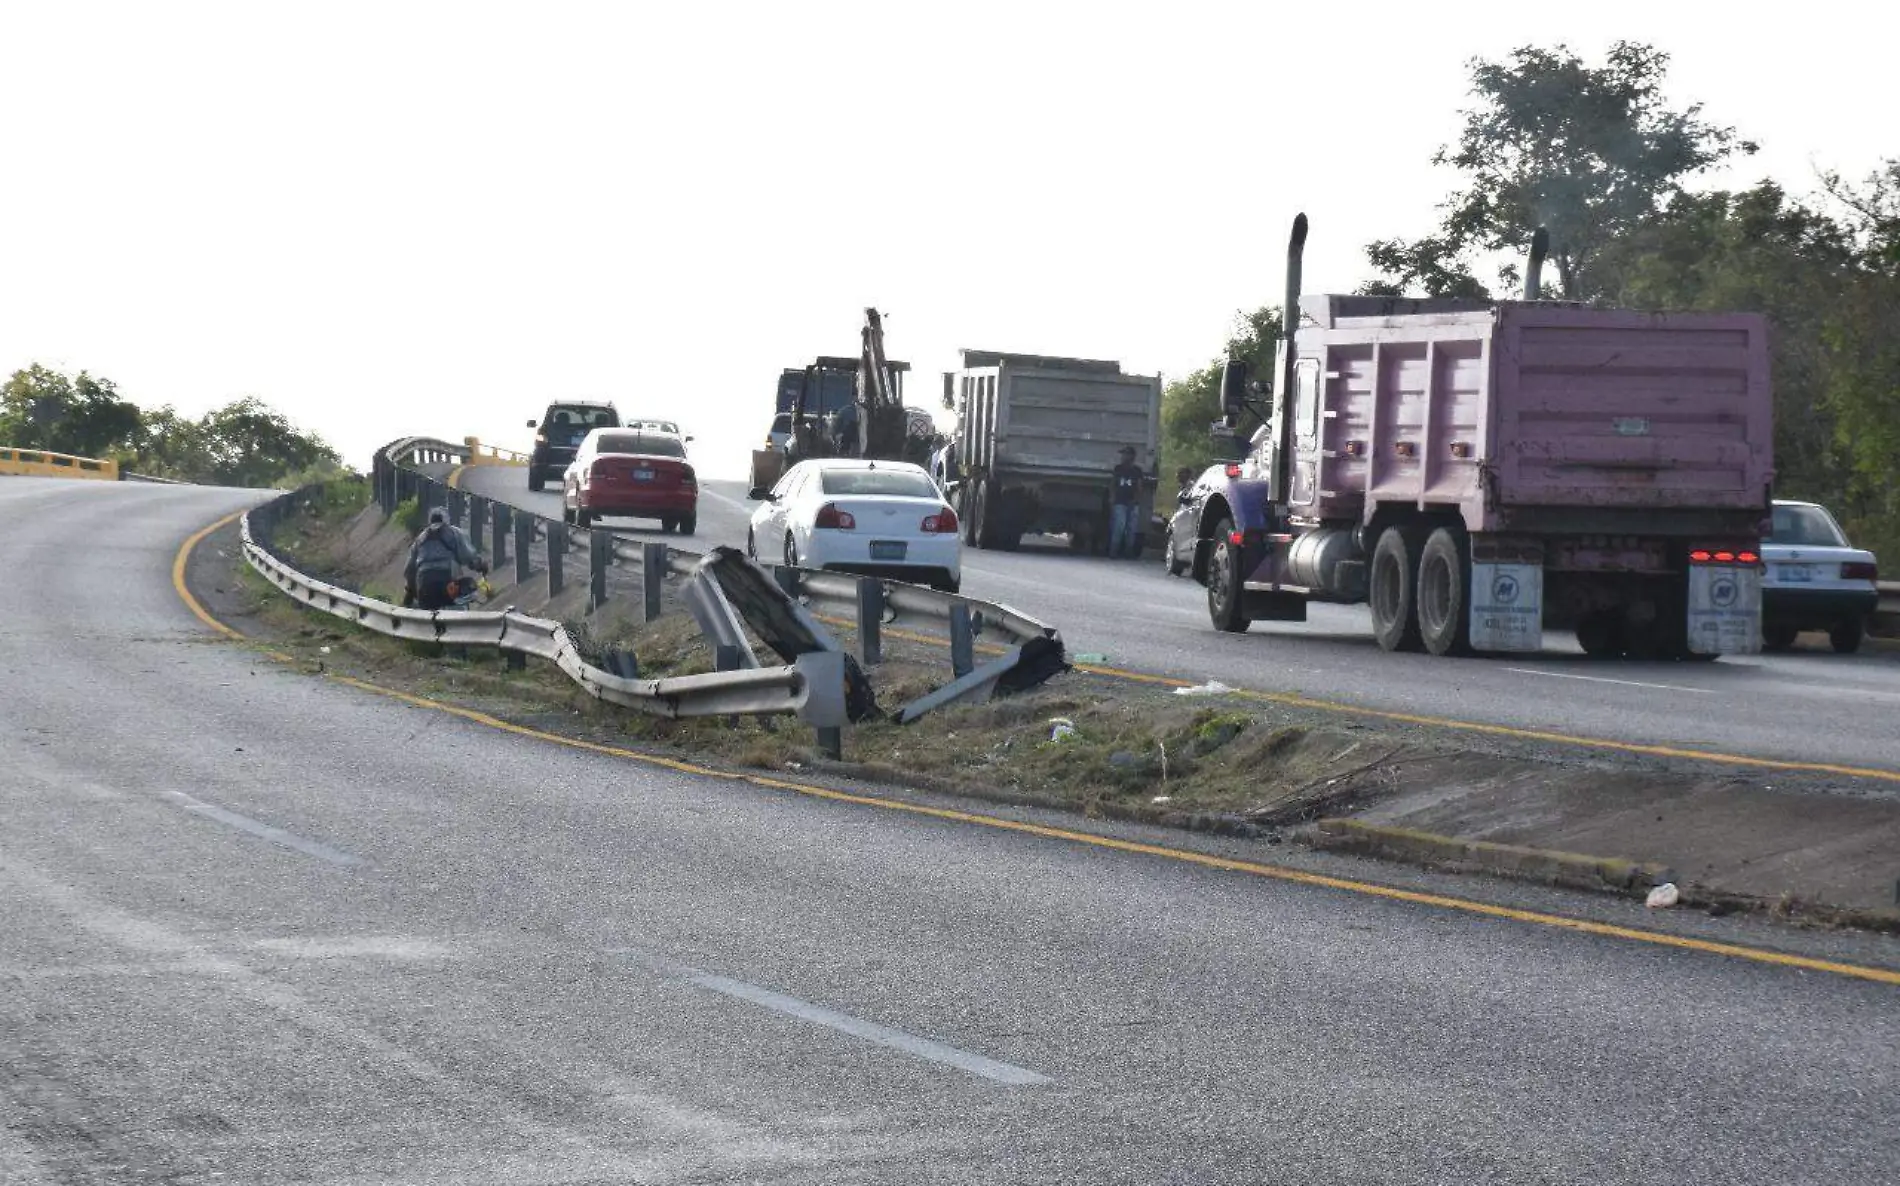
(1859, 571)
(1747, 557)
(830, 516)
(944, 522)
(687, 476)
(1232, 470)
(1701, 555)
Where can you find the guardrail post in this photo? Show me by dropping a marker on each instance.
(787, 579)
(870, 621)
(524, 547)
(653, 578)
(477, 519)
(557, 558)
(962, 641)
(600, 554)
(831, 742)
(498, 541)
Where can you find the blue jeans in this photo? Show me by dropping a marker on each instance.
(1122, 529)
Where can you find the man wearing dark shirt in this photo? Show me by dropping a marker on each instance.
(1124, 513)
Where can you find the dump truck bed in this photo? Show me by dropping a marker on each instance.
(1031, 420)
(1522, 407)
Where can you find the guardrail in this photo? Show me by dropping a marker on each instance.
(811, 687)
(480, 454)
(43, 463)
(1032, 650)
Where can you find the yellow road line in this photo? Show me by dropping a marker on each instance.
(178, 574)
(1185, 856)
(454, 480)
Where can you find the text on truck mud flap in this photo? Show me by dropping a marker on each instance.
(1725, 609)
(1507, 606)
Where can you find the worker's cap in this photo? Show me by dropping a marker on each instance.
(438, 515)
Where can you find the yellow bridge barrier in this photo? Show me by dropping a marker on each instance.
(56, 465)
(480, 454)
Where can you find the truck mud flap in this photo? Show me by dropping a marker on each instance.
(1724, 609)
(1507, 605)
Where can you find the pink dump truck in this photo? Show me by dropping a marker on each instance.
(1478, 471)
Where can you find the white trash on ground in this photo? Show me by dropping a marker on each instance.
(1212, 687)
(1663, 895)
(1062, 728)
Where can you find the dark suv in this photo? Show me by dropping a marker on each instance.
(559, 433)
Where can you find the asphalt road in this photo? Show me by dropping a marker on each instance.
(263, 927)
(1811, 706)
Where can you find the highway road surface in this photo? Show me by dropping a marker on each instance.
(1810, 706)
(264, 927)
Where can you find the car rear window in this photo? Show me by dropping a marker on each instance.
(1808, 526)
(630, 442)
(908, 483)
(566, 415)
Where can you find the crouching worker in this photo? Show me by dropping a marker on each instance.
(435, 560)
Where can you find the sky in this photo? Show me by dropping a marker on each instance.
(417, 218)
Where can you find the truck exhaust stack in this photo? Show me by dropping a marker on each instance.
(1534, 276)
(1283, 398)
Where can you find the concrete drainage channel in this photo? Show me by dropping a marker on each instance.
(732, 600)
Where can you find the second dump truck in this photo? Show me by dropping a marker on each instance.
(1038, 438)
(1477, 471)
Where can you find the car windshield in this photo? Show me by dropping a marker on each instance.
(782, 422)
(632, 442)
(571, 417)
(908, 483)
(1809, 526)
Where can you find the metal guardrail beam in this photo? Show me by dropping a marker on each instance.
(756, 691)
(45, 463)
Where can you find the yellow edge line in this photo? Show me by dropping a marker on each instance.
(1185, 856)
(454, 480)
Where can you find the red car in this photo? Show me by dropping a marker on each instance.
(629, 474)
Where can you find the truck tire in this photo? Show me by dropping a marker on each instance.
(1226, 596)
(536, 481)
(966, 510)
(1444, 592)
(1392, 590)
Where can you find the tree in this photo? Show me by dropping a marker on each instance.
(43, 409)
(1190, 406)
(1591, 152)
(249, 444)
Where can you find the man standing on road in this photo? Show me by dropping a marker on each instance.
(1124, 523)
(433, 561)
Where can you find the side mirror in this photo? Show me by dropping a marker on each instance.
(755, 494)
(530, 424)
(1233, 389)
(689, 440)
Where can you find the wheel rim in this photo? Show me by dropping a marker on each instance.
(791, 552)
(1434, 594)
(1217, 592)
(1167, 550)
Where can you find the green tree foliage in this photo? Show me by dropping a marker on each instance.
(244, 443)
(1591, 152)
(84, 416)
(1191, 405)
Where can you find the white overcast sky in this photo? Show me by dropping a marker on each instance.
(398, 218)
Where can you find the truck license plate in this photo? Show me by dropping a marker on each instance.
(643, 475)
(1795, 574)
(884, 549)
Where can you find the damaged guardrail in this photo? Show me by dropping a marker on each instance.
(811, 686)
(771, 602)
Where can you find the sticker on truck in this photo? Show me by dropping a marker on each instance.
(1724, 609)
(1507, 606)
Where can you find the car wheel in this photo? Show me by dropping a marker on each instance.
(1444, 593)
(751, 546)
(688, 524)
(1778, 638)
(791, 551)
(667, 523)
(583, 518)
(1393, 589)
(1169, 559)
(1226, 597)
(1846, 636)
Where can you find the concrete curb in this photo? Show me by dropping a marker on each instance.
(1569, 869)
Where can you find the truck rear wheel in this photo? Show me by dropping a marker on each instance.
(1226, 594)
(1444, 593)
(1393, 589)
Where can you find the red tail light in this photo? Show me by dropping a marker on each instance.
(1857, 571)
(1725, 557)
(1748, 557)
(1232, 470)
(830, 516)
(944, 522)
(1701, 555)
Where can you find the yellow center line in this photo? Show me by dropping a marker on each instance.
(454, 480)
(1185, 856)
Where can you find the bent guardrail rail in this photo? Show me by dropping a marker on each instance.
(47, 464)
(811, 688)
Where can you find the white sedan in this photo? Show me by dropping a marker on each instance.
(1816, 580)
(877, 518)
